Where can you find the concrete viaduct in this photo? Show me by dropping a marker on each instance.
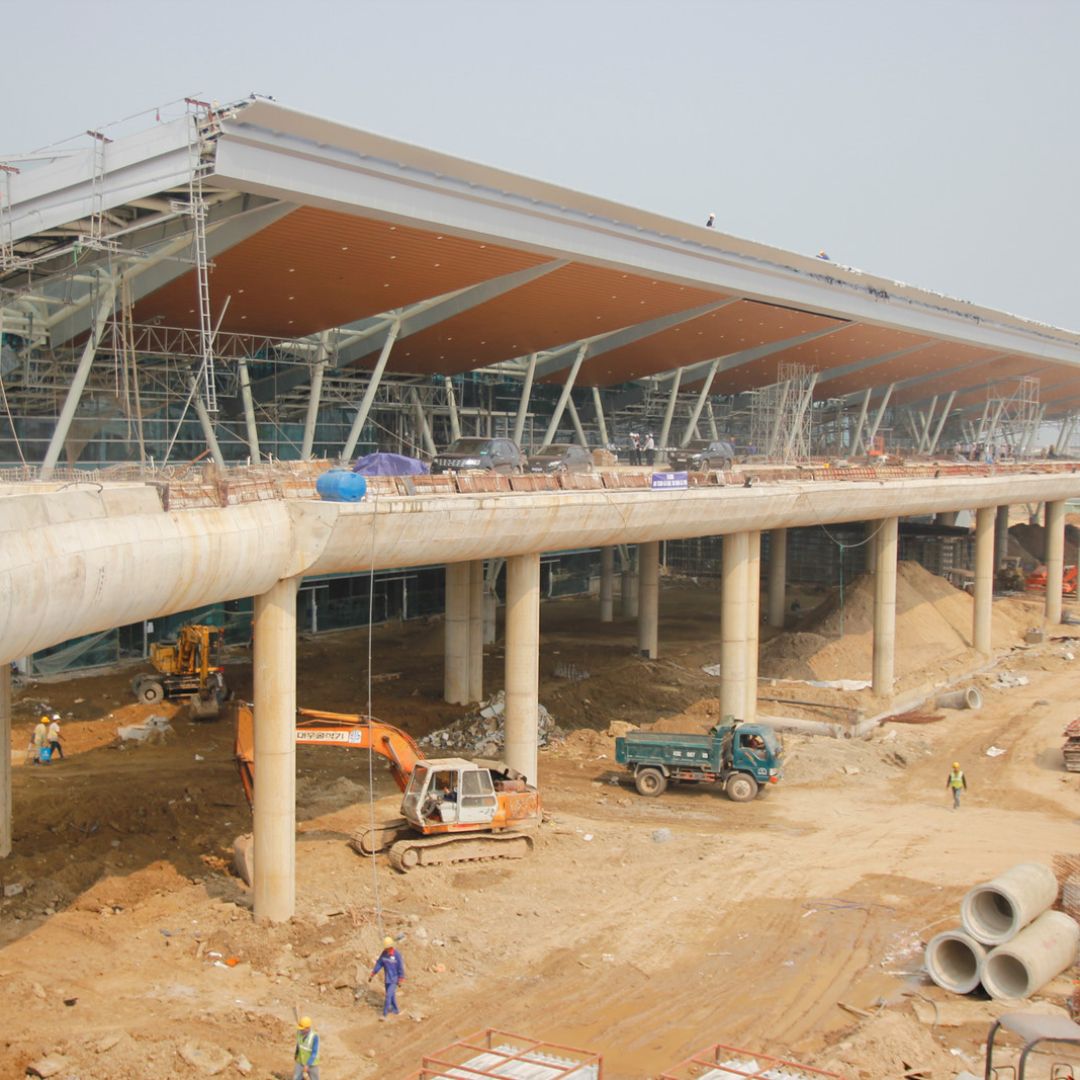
(74, 561)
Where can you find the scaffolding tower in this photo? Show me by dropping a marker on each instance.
(1010, 420)
(780, 414)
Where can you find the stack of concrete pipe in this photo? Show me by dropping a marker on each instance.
(1011, 941)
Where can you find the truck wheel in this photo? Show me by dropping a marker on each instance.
(650, 782)
(150, 693)
(741, 788)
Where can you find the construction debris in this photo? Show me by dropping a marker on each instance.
(152, 729)
(482, 734)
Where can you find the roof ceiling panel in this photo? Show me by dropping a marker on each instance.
(576, 301)
(926, 359)
(849, 345)
(732, 328)
(314, 269)
(1002, 372)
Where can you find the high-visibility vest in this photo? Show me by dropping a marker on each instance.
(307, 1047)
(956, 778)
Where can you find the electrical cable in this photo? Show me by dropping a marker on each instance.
(371, 744)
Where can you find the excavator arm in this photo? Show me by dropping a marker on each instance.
(315, 727)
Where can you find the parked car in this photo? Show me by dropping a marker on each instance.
(702, 455)
(486, 455)
(560, 457)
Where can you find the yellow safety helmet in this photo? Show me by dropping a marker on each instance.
(956, 764)
(305, 1022)
(44, 719)
(388, 943)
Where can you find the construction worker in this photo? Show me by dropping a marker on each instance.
(958, 782)
(39, 739)
(391, 964)
(54, 736)
(307, 1051)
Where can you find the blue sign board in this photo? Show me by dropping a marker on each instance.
(668, 481)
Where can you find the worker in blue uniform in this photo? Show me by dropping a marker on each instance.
(391, 964)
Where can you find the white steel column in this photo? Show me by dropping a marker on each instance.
(206, 423)
(856, 439)
(733, 613)
(314, 398)
(522, 663)
(713, 432)
(777, 577)
(274, 679)
(451, 401)
(669, 412)
(984, 579)
(601, 423)
(476, 630)
(560, 405)
(78, 381)
(576, 421)
(249, 411)
(456, 635)
(753, 621)
(5, 760)
(369, 393)
(1055, 559)
(695, 415)
(607, 584)
(648, 598)
(885, 608)
(523, 405)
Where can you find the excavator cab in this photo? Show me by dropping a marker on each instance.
(449, 791)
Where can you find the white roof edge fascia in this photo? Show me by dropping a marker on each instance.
(137, 166)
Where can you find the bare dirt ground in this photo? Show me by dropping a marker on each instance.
(645, 929)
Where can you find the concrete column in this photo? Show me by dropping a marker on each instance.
(491, 604)
(476, 630)
(733, 625)
(456, 635)
(522, 662)
(753, 621)
(885, 607)
(984, 579)
(777, 577)
(1055, 559)
(649, 599)
(1001, 537)
(5, 760)
(629, 594)
(607, 584)
(274, 679)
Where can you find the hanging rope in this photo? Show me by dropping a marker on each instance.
(371, 744)
(845, 547)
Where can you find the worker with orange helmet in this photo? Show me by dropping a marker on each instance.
(306, 1057)
(958, 782)
(392, 966)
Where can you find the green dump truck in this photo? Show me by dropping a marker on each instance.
(741, 758)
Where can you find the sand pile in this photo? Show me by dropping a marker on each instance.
(933, 625)
(1029, 542)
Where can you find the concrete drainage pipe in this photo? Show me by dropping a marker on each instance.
(960, 699)
(1026, 964)
(995, 912)
(954, 960)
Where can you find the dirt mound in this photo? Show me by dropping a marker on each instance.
(1031, 540)
(933, 625)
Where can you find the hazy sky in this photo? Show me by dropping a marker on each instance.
(931, 141)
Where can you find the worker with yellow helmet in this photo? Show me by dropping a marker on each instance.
(307, 1051)
(958, 782)
(392, 966)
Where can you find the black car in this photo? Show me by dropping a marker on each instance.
(561, 457)
(702, 455)
(486, 455)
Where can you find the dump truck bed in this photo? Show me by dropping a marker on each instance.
(670, 748)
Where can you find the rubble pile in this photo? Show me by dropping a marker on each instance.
(481, 734)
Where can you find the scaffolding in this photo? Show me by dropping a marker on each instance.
(780, 415)
(1010, 419)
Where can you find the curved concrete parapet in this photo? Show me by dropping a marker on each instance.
(1021, 967)
(954, 961)
(995, 912)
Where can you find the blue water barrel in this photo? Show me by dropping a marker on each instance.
(341, 485)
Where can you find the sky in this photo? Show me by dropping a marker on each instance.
(928, 141)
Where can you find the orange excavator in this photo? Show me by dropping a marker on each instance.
(453, 810)
(1036, 581)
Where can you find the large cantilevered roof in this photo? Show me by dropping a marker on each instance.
(315, 225)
